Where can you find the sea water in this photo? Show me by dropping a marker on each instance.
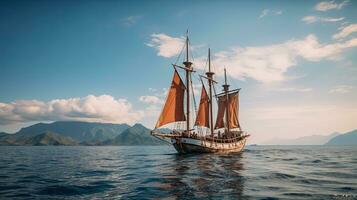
(145, 172)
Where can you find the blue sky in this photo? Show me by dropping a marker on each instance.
(88, 60)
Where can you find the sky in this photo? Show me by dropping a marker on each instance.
(110, 61)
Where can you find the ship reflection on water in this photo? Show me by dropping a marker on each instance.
(204, 175)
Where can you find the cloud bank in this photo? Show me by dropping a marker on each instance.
(265, 64)
(103, 108)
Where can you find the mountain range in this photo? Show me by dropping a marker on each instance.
(349, 138)
(80, 133)
(306, 140)
(87, 133)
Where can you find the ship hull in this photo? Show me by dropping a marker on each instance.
(190, 145)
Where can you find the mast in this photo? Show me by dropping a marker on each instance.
(225, 89)
(210, 80)
(188, 69)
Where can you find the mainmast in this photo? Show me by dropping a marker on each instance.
(188, 68)
(226, 89)
(210, 83)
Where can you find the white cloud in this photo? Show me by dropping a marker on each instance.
(345, 31)
(130, 20)
(91, 108)
(267, 12)
(329, 5)
(165, 45)
(270, 63)
(151, 99)
(341, 89)
(313, 19)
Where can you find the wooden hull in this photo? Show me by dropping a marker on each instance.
(189, 145)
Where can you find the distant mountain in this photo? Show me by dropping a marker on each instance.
(306, 140)
(136, 135)
(349, 138)
(79, 131)
(42, 139)
(3, 134)
(49, 138)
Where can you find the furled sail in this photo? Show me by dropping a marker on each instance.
(203, 111)
(233, 106)
(173, 110)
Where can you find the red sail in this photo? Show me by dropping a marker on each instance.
(221, 111)
(174, 106)
(233, 106)
(203, 111)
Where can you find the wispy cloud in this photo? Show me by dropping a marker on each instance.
(265, 63)
(292, 89)
(104, 108)
(268, 12)
(166, 46)
(341, 89)
(345, 31)
(130, 20)
(313, 19)
(150, 99)
(330, 5)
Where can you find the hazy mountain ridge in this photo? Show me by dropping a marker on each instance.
(80, 133)
(3, 134)
(306, 140)
(349, 138)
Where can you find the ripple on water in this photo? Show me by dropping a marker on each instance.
(261, 172)
(96, 173)
(70, 190)
(282, 175)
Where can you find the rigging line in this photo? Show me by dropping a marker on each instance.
(182, 49)
(215, 93)
(190, 50)
(206, 66)
(194, 99)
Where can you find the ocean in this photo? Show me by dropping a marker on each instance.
(158, 172)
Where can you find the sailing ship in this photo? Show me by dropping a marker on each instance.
(204, 136)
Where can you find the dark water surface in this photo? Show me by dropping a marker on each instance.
(260, 172)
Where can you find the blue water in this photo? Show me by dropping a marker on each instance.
(260, 172)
